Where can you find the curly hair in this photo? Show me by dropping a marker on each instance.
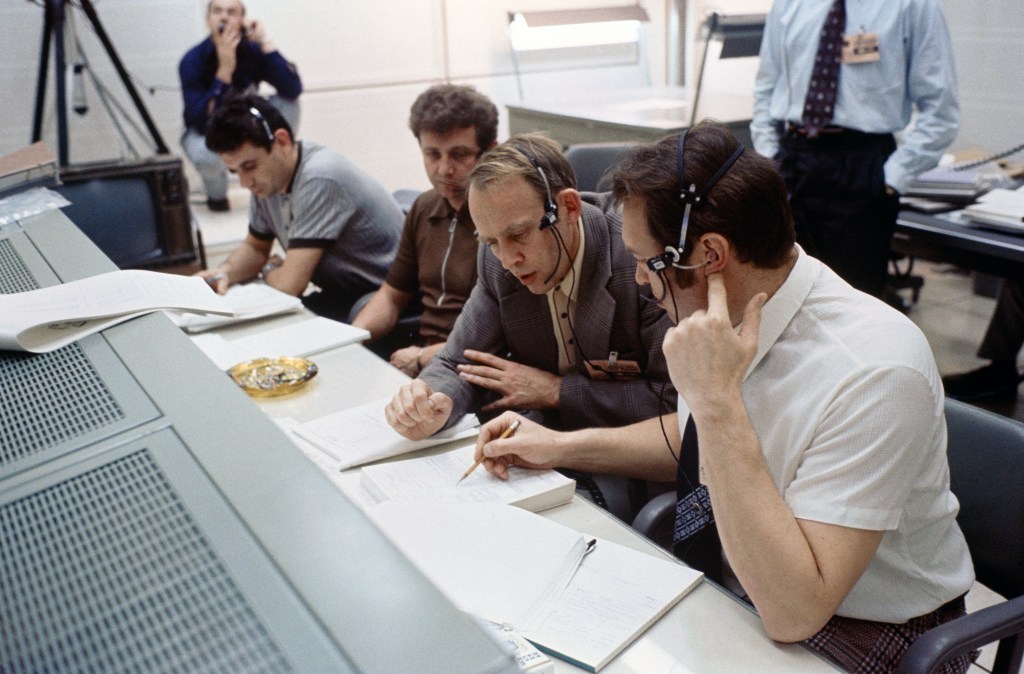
(444, 108)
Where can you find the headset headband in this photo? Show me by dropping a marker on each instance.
(691, 198)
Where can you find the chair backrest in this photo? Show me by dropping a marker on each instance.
(592, 161)
(405, 198)
(986, 463)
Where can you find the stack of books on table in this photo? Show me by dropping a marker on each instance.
(948, 185)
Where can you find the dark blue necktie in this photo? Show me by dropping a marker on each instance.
(824, 85)
(695, 539)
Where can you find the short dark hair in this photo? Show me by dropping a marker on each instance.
(235, 123)
(444, 108)
(513, 158)
(748, 205)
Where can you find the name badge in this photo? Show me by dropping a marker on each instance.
(860, 48)
(613, 368)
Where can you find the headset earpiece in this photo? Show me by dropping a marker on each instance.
(550, 216)
(660, 263)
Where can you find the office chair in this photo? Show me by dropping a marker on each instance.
(405, 198)
(986, 464)
(592, 162)
(407, 329)
(902, 279)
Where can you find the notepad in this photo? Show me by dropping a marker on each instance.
(48, 318)
(433, 478)
(247, 302)
(362, 434)
(508, 565)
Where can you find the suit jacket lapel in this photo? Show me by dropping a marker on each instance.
(595, 306)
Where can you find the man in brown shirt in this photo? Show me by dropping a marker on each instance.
(437, 254)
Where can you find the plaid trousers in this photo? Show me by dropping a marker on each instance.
(869, 647)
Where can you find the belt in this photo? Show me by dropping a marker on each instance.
(797, 130)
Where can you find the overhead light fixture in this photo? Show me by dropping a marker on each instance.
(572, 28)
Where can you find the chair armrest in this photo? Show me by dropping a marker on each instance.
(960, 636)
(655, 513)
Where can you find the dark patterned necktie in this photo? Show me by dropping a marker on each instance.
(695, 539)
(824, 85)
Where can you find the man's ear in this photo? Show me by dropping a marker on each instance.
(282, 138)
(717, 252)
(569, 204)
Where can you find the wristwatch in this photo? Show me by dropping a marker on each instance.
(268, 267)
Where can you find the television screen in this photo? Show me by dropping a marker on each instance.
(136, 212)
(119, 215)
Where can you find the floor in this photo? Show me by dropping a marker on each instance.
(950, 313)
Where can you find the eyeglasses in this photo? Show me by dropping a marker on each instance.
(266, 127)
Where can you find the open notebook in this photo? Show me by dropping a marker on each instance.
(362, 434)
(580, 600)
(433, 478)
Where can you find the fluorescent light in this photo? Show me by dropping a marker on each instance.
(562, 29)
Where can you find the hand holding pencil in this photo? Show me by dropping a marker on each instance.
(506, 434)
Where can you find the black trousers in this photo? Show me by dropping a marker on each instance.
(1005, 335)
(843, 216)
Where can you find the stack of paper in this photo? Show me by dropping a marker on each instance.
(49, 318)
(949, 185)
(247, 302)
(362, 434)
(1000, 209)
(302, 339)
(581, 602)
(433, 478)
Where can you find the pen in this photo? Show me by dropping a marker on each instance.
(215, 278)
(507, 434)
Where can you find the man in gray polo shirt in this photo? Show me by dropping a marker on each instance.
(339, 227)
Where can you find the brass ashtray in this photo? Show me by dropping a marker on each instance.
(271, 377)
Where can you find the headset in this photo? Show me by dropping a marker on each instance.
(550, 216)
(263, 120)
(691, 198)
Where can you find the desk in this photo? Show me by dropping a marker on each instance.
(709, 630)
(942, 238)
(638, 115)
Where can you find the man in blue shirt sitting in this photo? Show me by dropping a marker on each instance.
(236, 57)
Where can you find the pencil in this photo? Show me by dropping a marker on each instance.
(507, 434)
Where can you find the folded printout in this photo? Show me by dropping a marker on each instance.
(48, 318)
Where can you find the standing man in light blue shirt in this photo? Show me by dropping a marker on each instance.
(844, 178)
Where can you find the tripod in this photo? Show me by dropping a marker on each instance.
(53, 26)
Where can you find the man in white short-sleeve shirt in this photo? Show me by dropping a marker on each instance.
(819, 488)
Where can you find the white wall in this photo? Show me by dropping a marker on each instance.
(364, 61)
(988, 39)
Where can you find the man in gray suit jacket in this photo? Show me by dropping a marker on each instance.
(556, 322)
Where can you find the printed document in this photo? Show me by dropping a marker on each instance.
(48, 318)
